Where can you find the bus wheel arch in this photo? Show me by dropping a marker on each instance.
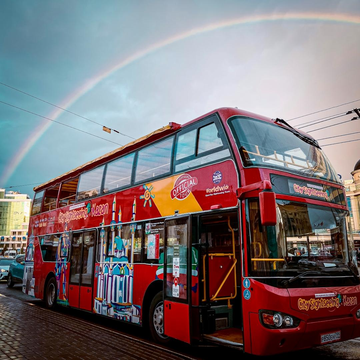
(153, 306)
(156, 319)
(50, 291)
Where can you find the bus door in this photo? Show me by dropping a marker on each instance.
(81, 270)
(177, 279)
(219, 263)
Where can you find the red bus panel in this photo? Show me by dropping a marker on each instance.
(177, 320)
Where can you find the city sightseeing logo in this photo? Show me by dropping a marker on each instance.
(183, 186)
(217, 177)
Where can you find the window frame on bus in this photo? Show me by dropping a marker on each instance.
(196, 159)
(136, 173)
(70, 257)
(99, 188)
(37, 203)
(118, 160)
(56, 188)
(147, 224)
(44, 256)
(67, 199)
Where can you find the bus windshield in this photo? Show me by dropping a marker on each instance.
(308, 243)
(270, 145)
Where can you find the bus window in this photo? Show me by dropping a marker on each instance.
(118, 173)
(90, 183)
(210, 146)
(177, 258)
(186, 145)
(208, 138)
(154, 242)
(154, 160)
(116, 242)
(49, 245)
(137, 233)
(36, 208)
(68, 192)
(87, 257)
(75, 260)
(50, 198)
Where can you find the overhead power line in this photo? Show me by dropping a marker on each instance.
(331, 137)
(342, 142)
(319, 111)
(326, 127)
(70, 112)
(58, 122)
(17, 186)
(328, 118)
(314, 122)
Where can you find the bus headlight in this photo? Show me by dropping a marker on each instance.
(278, 320)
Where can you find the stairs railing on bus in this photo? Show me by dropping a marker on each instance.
(232, 255)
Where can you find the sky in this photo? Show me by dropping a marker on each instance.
(135, 66)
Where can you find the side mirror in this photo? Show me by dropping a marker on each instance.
(267, 208)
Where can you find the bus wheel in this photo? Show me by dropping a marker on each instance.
(156, 319)
(50, 294)
(10, 282)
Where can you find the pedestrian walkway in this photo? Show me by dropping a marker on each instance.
(30, 331)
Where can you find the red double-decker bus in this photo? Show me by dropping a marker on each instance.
(229, 229)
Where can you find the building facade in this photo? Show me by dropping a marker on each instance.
(14, 221)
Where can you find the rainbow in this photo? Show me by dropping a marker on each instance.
(91, 83)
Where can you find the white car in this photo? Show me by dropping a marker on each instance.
(4, 267)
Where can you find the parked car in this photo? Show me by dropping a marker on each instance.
(4, 267)
(16, 271)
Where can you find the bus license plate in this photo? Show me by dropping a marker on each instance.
(330, 337)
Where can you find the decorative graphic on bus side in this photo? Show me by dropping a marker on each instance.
(114, 294)
(81, 211)
(61, 266)
(183, 186)
(147, 195)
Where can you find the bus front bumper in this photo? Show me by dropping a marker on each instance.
(308, 334)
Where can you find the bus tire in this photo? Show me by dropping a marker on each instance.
(50, 293)
(10, 282)
(156, 319)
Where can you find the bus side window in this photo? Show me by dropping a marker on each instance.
(137, 242)
(118, 173)
(50, 198)
(49, 246)
(36, 208)
(154, 242)
(200, 146)
(68, 192)
(90, 183)
(154, 160)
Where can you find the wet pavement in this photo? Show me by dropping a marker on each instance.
(29, 331)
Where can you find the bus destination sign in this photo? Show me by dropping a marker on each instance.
(308, 189)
